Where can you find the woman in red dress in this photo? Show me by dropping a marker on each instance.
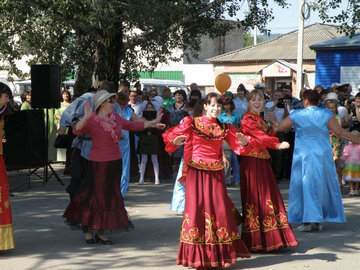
(6, 227)
(265, 225)
(209, 235)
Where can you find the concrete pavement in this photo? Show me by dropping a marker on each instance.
(43, 241)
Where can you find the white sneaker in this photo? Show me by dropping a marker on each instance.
(304, 228)
(141, 182)
(157, 182)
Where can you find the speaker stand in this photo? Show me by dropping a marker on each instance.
(46, 175)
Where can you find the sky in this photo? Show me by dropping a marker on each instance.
(287, 20)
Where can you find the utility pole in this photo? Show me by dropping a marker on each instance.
(299, 73)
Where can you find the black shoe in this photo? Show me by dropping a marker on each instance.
(90, 241)
(105, 242)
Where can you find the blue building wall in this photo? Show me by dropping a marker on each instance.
(328, 63)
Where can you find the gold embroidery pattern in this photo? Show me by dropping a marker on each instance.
(261, 123)
(270, 222)
(201, 165)
(210, 131)
(212, 235)
(258, 154)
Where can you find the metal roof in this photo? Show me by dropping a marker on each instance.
(343, 42)
(283, 47)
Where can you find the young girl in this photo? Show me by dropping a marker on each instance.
(337, 144)
(265, 226)
(148, 145)
(209, 235)
(351, 172)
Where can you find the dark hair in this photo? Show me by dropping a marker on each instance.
(242, 88)
(357, 95)
(149, 103)
(227, 101)
(319, 88)
(125, 83)
(219, 100)
(195, 93)
(121, 98)
(324, 92)
(192, 103)
(23, 95)
(181, 92)
(198, 109)
(312, 96)
(137, 84)
(4, 89)
(66, 91)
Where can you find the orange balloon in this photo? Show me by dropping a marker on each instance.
(222, 82)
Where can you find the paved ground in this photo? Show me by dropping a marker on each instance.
(43, 241)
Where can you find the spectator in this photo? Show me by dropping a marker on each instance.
(64, 154)
(177, 112)
(167, 98)
(26, 101)
(241, 101)
(281, 111)
(228, 115)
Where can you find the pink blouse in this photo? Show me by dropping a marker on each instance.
(104, 145)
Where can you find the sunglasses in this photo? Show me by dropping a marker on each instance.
(110, 100)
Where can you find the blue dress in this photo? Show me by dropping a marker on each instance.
(125, 113)
(314, 194)
(178, 199)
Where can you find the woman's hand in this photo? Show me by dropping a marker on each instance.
(88, 110)
(61, 131)
(226, 162)
(179, 140)
(242, 139)
(283, 145)
(160, 126)
(159, 115)
(274, 126)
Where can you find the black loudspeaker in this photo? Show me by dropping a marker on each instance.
(45, 86)
(25, 145)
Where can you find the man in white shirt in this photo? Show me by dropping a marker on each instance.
(280, 110)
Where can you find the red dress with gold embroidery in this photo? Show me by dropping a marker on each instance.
(209, 235)
(6, 226)
(265, 225)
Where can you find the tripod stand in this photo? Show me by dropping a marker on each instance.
(46, 176)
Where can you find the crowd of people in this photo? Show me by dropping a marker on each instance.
(251, 140)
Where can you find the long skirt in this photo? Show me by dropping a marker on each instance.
(209, 235)
(6, 227)
(99, 204)
(265, 225)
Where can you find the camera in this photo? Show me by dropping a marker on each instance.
(280, 103)
(149, 115)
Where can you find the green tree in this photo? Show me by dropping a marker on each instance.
(113, 39)
(348, 18)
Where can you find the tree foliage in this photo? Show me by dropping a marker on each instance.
(348, 18)
(114, 39)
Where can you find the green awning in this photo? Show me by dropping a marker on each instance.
(164, 75)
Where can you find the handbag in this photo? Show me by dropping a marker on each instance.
(62, 141)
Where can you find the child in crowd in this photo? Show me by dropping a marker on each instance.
(337, 143)
(148, 145)
(351, 172)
